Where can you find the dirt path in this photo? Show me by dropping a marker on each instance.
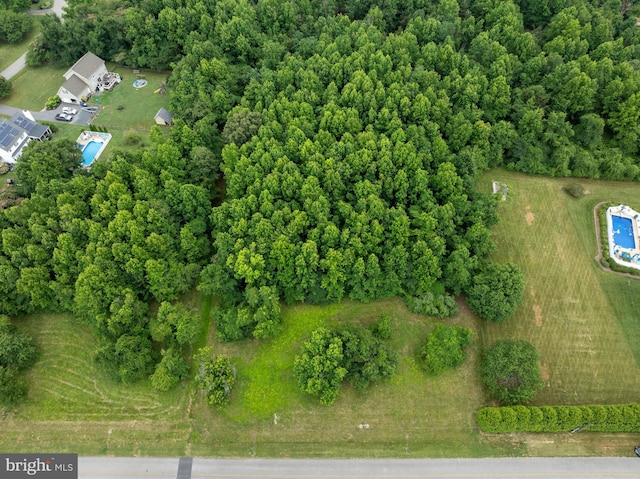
(599, 255)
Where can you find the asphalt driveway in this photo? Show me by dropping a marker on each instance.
(83, 117)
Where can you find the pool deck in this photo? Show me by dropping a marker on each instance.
(616, 251)
(87, 137)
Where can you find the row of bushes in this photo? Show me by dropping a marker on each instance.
(609, 418)
(606, 260)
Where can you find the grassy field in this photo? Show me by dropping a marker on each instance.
(10, 52)
(582, 320)
(128, 107)
(33, 86)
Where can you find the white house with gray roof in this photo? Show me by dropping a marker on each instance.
(87, 76)
(16, 133)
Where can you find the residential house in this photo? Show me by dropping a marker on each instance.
(87, 76)
(16, 133)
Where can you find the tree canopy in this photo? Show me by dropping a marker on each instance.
(510, 369)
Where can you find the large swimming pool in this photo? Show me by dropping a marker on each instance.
(89, 152)
(623, 235)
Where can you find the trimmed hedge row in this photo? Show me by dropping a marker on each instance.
(609, 418)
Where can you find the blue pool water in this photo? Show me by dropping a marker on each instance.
(89, 152)
(623, 232)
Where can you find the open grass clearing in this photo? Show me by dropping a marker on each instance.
(128, 107)
(10, 52)
(413, 415)
(32, 87)
(582, 320)
(74, 405)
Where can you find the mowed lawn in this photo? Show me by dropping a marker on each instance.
(32, 87)
(123, 108)
(584, 321)
(74, 405)
(128, 107)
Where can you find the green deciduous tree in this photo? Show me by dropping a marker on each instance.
(319, 368)
(510, 369)
(5, 87)
(445, 348)
(215, 377)
(496, 291)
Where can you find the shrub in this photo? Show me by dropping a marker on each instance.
(510, 370)
(215, 377)
(170, 370)
(496, 291)
(575, 189)
(382, 329)
(5, 87)
(53, 103)
(609, 418)
(430, 304)
(445, 348)
(132, 138)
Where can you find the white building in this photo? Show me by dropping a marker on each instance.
(16, 133)
(87, 76)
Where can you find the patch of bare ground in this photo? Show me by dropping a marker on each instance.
(537, 310)
(544, 372)
(529, 217)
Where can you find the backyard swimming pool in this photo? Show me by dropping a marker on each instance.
(623, 234)
(92, 145)
(623, 224)
(89, 152)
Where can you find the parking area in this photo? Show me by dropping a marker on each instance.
(82, 117)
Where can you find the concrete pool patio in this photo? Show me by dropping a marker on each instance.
(623, 235)
(92, 144)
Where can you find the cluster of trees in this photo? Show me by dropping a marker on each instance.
(356, 184)
(215, 376)
(104, 244)
(175, 327)
(14, 26)
(555, 81)
(17, 353)
(444, 348)
(606, 418)
(510, 369)
(330, 357)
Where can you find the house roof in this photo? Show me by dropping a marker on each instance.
(33, 129)
(75, 86)
(165, 115)
(87, 65)
(10, 134)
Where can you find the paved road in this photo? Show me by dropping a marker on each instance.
(58, 5)
(15, 68)
(511, 468)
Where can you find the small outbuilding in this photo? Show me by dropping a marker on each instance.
(164, 117)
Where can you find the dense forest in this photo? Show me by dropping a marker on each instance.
(340, 143)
